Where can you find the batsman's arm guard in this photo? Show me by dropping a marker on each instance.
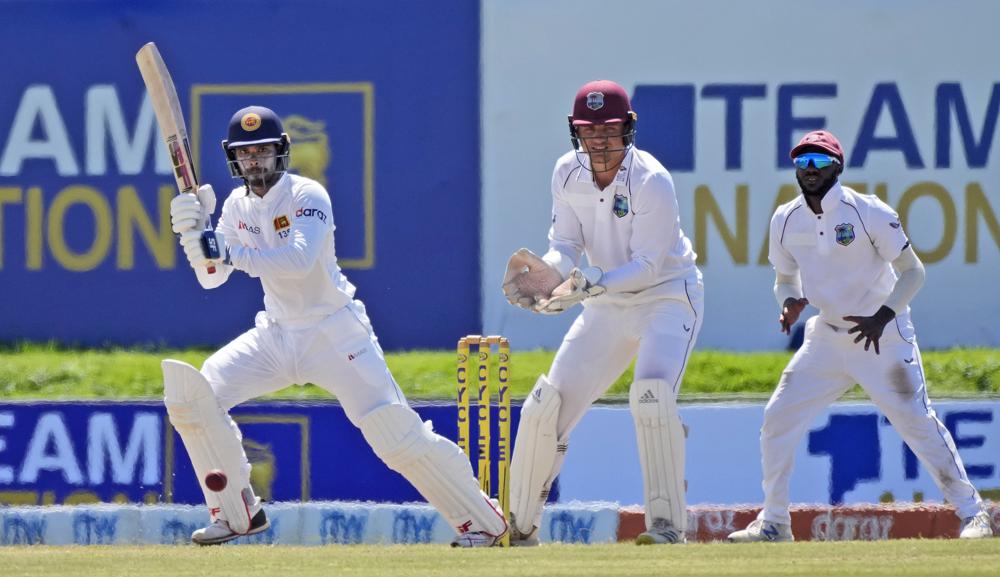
(433, 465)
(212, 440)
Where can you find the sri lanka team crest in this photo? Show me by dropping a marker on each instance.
(845, 233)
(620, 206)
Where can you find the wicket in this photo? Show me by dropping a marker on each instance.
(483, 402)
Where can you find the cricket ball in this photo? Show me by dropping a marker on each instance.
(216, 480)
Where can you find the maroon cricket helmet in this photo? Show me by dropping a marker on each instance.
(600, 102)
(819, 139)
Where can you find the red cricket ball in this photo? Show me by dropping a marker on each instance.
(216, 480)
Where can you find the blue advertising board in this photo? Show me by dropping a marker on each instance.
(380, 100)
(71, 453)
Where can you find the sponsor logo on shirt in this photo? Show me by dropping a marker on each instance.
(354, 355)
(845, 233)
(307, 212)
(894, 224)
(282, 222)
(249, 228)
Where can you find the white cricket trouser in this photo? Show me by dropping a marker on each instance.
(339, 353)
(827, 365)
(604, 339)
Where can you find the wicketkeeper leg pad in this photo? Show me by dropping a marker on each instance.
(212, 441)
(660, 437)
(434, 465)
(537, 452)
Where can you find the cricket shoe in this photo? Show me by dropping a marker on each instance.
(662, 532)
(976, 527)
(519, 539)
(219, 532)
(471, 539)
(761, 530)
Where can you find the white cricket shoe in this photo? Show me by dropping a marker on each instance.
(218, 531)
(662, 532)
(761, 530)
(976, 527)
(471, 539)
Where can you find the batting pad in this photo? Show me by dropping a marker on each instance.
(432, 464)
(212, 441)
(536, 451)
(660, 437)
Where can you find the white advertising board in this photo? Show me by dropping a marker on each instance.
(723, 89)
(850, 454)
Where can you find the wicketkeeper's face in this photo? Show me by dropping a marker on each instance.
(605, 143)
(601, 137)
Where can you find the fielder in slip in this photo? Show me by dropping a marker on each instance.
(846, 254)
(642, 299)
(278, 227)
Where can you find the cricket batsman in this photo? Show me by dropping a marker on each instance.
(278, 227)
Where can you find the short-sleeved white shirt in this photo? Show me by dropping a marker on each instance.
(843, 255)
(631, 229)
(286, 239)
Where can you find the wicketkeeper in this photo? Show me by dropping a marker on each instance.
(642, 299)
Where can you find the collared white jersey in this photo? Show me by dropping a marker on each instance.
(286, 239)
(843, 255)
(631, 229)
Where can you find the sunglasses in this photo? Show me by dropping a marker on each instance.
(817, 159)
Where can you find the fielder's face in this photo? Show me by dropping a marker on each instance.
(604, 143)
(813, 180)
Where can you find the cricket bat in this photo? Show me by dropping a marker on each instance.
(169, 117)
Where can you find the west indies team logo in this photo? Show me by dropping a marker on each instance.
(620, 206)
(845, 233)
(595, 100)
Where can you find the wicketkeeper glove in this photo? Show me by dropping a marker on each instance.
(581, 285)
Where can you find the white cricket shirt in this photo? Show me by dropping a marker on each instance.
(844, 255)
(631, 229)
(286, 239)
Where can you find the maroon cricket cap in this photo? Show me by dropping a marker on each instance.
(600, 102)
(822, 140)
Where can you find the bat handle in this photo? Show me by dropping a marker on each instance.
(208, 244)
(210, 247)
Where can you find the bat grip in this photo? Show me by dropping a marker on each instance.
(210, 247)
(208, 244)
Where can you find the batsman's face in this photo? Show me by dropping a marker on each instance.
(257, 159)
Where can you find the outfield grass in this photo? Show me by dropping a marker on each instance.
(880, 558)
(49, 372)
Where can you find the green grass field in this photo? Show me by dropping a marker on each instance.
(889, 558)
(49, 372)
